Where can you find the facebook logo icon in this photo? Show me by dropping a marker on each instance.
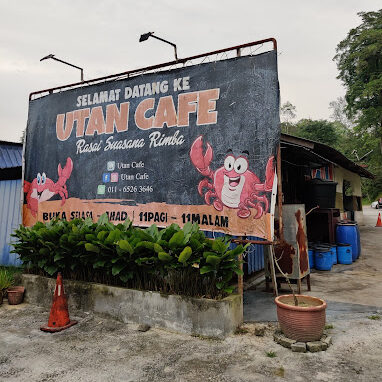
(106, 177)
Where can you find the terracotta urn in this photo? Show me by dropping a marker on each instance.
(305, 322)
(15, 295)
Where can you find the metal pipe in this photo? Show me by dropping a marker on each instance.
(51, 56)
(159, 66)
(280, 194)
(246, 241)
(74, 66)
(168, 42)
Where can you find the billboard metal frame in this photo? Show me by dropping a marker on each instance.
(135, 72)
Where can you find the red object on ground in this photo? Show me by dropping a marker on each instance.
(59, 314)
(302, 323)
(379, 222)
(15, 295)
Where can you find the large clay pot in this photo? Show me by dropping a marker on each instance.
(305, 322)
(15, 295)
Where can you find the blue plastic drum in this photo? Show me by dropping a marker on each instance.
(344, 253)
(333, 249)
(311, 258)
(324, 247)
(323, 259)
(348, 232)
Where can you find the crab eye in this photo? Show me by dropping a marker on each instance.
(228, 162)
(43, 178)
(38, 178)
(241, 165)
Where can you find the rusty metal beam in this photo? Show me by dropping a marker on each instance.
(280, 194)
(159, 66)
(246, 241)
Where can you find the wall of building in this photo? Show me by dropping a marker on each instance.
(10, 218)
(340, 174)
(355, 201)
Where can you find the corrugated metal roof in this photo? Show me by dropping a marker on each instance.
(326, 153)
(10, 154)
(10, 219)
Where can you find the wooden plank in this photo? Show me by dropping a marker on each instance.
(271, 256)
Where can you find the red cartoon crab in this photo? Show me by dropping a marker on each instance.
(43, 188)
(232, 185)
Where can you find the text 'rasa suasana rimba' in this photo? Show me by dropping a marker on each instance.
(150, 113)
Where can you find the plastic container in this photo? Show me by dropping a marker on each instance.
(311, 258)
(324, 247)
(348, 232)
(334, 254)
(344, 253)
(323, 259)
(333, 250)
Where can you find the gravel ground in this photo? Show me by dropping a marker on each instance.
(102, 349)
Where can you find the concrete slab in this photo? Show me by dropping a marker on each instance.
(349, 290)
(259, 306)
(195, 316)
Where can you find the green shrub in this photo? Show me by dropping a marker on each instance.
(6, 278)
(170, 260)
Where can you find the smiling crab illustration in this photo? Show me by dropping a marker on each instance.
(233, 185)
(42, 188)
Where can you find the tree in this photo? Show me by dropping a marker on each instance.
(359, 61)
(338, 108)
(288, 113)
(320, 131)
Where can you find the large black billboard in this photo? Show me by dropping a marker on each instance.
(192, 144)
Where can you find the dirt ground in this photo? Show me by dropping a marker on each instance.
(101, 349)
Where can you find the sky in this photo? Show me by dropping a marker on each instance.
(102, 37)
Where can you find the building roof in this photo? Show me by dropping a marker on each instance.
(321, 153)
(10, 154)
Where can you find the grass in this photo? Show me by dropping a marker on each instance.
(6, 279)
(241, 330)
(329, 326)
(374, 317)
(271, 354)
(280, 372)
(366, 202)
(12, 270)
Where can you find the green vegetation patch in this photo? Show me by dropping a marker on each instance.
(171, 260)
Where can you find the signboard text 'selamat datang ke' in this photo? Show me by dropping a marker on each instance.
(193, 144)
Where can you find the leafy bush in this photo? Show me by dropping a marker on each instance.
(170, 260)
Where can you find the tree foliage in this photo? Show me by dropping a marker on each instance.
(359, 61)
(338, 108)
(318, 130)
(287, 114)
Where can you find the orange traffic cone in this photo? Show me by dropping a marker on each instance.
(379, 222)
(59, 314)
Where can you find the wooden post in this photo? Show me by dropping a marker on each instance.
(271, 259)
(240, 282)
(280, 194)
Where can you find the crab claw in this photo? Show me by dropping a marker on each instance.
(269, 175)
(200, 161)
(27, 186)
(64, 173)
